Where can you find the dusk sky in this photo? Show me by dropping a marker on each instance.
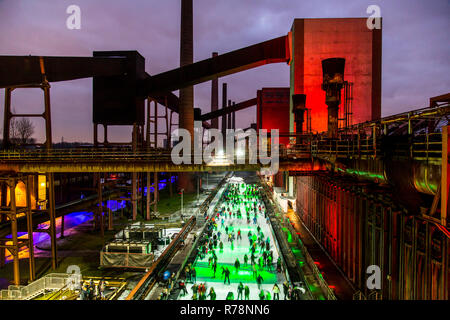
(416, 48)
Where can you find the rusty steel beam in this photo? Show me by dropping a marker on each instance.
(234, 108)
(436, 101)
(303, 164)
(172, 102)
(18, 71)
(271, 51)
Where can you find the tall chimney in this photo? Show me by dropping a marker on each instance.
(229, 116)
(224, 105)
(186, 111)
(186, 57)
(215, 98)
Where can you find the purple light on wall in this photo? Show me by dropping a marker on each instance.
(71, 220)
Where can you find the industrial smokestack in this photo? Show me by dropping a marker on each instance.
(186, 57)
(215, 98)
(224, 105)
(186, 110)
(333, 81)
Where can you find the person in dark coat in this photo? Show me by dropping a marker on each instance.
(247, 293)
(214, 268)
(259, 281)
(240, 291)
(237, 265)
(226, 272)
(212, 294)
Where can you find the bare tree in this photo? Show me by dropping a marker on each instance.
(21, 130)
(13, 134)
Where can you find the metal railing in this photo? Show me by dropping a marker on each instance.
(50, 282)
(420, 147)
(364, 140)
(139, 291)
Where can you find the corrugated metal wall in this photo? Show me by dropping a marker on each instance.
(359, 225)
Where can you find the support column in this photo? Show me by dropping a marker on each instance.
(7, 118)
(105, 135)
(51, 211)
(134, 176)
(110, 217)
(47, 115)
(100, 204)
(61, 236)
(95, 135)
(148, 196)
(134, 194)
(4, 189)
(445, 175)
(148, 144)
(15, 241)
(155, 192)
(170, 185)
(29, 183)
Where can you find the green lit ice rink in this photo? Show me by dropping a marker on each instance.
(227, 258)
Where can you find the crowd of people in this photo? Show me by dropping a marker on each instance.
(89, 290)
(241, 208)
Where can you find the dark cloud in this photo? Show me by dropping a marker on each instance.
(415, 46)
